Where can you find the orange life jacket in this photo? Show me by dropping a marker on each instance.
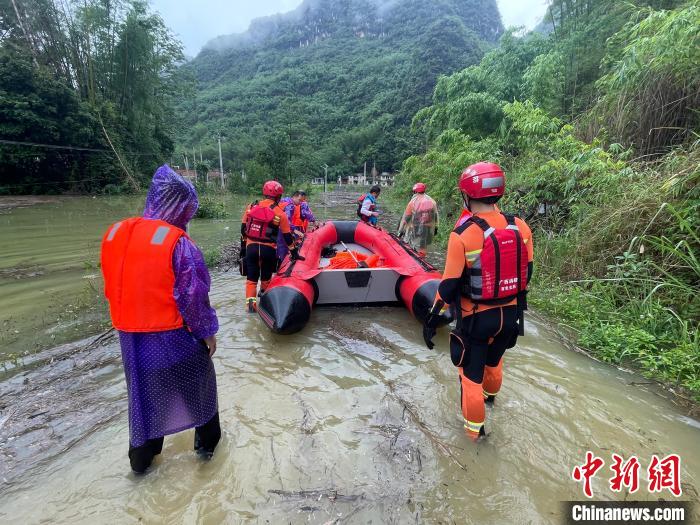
(137, 265)
(296, 217)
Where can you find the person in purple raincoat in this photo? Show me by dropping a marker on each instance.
(157, 285)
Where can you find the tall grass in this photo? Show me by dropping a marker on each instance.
(640, 304)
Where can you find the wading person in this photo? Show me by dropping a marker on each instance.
(419, 223)
(368, 210)
(262, 222)
(305, 215)
(298, 211)
(300, 219)
(488, 267)
(157, 285)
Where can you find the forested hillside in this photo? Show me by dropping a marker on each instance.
(598, 125)
(334, 82)
(86, 94)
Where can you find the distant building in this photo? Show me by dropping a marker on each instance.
(318, 181)
(386, 179)
(360, 179)
(191, 175)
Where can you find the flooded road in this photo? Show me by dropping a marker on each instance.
(50, 281)
(352, 420)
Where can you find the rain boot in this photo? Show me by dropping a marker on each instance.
(207, 437)
(472, 402)
(141, 457)
(251, 305)
(493, 379)
(251, 292)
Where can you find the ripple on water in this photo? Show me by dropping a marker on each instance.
(351, 419)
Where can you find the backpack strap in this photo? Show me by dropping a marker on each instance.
(510, 219)
(459, 230)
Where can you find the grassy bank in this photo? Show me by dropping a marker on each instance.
(611, 192)
(617, 245)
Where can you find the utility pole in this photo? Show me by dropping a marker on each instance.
(221, 162)
(325, 178)
(187, 164)
(364, 176)
(194, 164)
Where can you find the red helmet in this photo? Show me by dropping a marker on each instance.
(419, 188)
(272, 189)
(481, 180)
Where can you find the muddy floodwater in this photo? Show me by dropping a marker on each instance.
(353, 420)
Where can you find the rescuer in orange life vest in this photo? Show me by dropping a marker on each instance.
(419, 223)
(488, 267)
(157, 285)
(261, 224)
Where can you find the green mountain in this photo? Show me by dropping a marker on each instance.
(334, 81)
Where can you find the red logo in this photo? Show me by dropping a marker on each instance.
(665, 474)
(626, 474)
(587, 471)
(662, 474)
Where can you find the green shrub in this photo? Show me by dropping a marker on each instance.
(211, 208)
(212, 257)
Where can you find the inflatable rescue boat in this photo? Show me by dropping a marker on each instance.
(383, 270)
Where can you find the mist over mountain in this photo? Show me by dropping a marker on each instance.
(333, 81)
(318, 19)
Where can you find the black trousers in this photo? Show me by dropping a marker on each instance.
(488, 335)
(260, 262)
(206, 438)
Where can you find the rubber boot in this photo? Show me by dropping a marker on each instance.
(251, 305)
(251, 292)
(472, 402)
(207, 437)
(493, 379)
(141, 457)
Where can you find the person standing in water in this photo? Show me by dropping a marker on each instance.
(304, 218)
(300, 218)
(261, 225)
(157, 285)
(488, 267)
(419, 223)
(369, 211)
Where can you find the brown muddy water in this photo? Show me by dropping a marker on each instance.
(352, 420)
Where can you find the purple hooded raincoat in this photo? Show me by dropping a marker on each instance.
(170, 377)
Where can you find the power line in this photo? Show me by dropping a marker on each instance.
(50, 146)
(50, 183)
(73, 148)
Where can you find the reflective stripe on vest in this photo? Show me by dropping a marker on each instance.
(160, 235)
(113, 231)
(139, 278)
